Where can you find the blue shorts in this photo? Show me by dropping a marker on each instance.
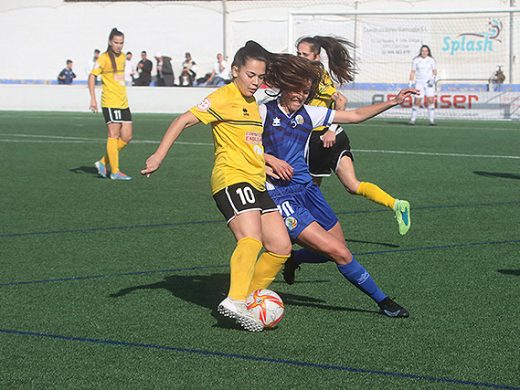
(302, 205)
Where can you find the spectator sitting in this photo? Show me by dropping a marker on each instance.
(220, 74)
(189, 71)
(67, 75)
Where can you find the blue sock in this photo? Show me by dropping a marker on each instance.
(356, 274)
(308, 256)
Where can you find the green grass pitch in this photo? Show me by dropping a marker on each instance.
(111, 285)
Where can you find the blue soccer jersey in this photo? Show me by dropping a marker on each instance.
(285, 136)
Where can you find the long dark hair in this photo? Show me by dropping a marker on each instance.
(114, 33)
(284, 72)
(428, 48)
(290, 73)
(251, 51)
(341, 63)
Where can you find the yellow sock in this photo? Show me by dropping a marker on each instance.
(113, 155)
(375, 194)
(121, 144)
(266, 269)
(243, 263)
(104, 160)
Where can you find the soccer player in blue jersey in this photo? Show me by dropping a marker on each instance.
(309, 219)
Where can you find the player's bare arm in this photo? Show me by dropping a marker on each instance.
(172, 133)
(364, 113)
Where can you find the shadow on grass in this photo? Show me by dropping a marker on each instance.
(515, 272)
(80, 170)
(504, 175)
(209, 290)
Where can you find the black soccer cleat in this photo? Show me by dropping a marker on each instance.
(391, 308)
(289, 270)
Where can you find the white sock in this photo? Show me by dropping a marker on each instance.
(414, 114)
(431, 112)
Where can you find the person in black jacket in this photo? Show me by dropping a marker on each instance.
(165, 76)
(144, 70)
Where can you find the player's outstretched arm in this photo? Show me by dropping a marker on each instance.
(367, 112)
(172, 133)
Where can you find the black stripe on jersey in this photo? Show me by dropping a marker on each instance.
(212, 112)
(238, 122)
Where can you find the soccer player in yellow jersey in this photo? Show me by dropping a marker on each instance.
(114, 103)
(238, 180)
(329, 147)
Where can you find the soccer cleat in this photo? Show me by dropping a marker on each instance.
(289, 270)
(120, 176)
(402, 214)
(101, 169)
(411, 123)
(391, 308)
(238, 311)
(432, 123)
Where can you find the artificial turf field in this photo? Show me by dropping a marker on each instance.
(111, 285)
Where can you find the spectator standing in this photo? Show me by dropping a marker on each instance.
(220, 75)
(165, 76)
(144, 71)
(129, 70)
(91, 62)
(67, 75)
(189, 71)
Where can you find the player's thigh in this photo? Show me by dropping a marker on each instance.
(114, 129)
(347, 174)
(317, 238)
(247, 224)
(274, 234)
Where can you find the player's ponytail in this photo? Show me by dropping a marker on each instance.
(114, 33)
(341, 63)
(289, 73)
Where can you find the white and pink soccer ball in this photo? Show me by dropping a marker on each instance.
(266, 306)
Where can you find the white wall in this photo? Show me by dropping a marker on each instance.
(39, 35)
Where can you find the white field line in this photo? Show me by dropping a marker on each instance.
(63, 139)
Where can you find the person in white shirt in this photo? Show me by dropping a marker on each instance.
(130, 70)
(424, 73)
(221, 74)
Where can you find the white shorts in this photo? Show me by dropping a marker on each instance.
(424, 90)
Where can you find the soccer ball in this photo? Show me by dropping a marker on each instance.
(266, 306)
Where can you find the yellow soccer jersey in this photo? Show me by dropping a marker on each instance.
(323, 97)
(114, 89)
(237, 136)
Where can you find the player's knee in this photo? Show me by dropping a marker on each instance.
(280, 248)
(341, 255)
(127, 138)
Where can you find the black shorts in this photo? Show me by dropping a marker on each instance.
(241, 197)
(117, 115)
(323, 161)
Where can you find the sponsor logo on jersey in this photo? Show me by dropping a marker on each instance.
(276, 122)
(204, 105)
(253, 138)
(474, 41)
(291, 223)
(244, 112)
